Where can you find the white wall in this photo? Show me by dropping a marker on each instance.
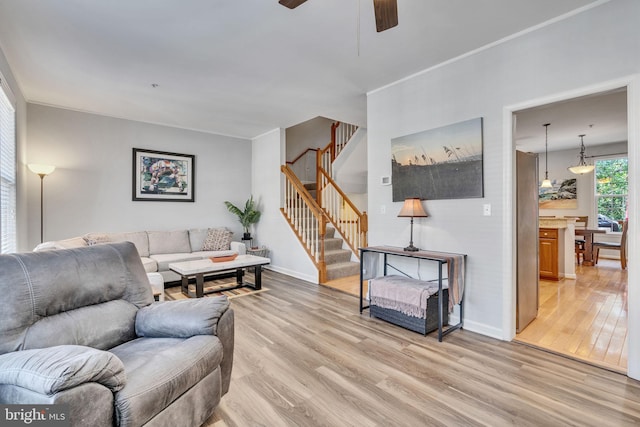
(598, 45)
(90, 190)
(314, 133)
(559, 161)
(286, 253)
(21, 148)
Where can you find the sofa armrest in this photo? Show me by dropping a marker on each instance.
(181, 319)
(241, 248)
(53, 369)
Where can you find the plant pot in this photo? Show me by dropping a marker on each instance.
(246, 236)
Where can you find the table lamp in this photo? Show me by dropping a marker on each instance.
(412, 208)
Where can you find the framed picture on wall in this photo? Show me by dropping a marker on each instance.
(440, 163)
(562, 194)
(163, 176)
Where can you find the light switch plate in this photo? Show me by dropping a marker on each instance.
(486, 209)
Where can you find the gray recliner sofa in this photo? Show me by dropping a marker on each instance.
(80, 327)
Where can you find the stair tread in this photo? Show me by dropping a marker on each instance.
(335, 251)
(342, 264)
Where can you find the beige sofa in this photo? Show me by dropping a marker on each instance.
(157, 249)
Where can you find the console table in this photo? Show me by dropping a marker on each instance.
(455, 263)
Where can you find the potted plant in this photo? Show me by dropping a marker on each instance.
(250, 215)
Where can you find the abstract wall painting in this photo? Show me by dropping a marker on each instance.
(163, 176)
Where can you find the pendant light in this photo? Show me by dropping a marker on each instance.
(582, 167)
(546, 183)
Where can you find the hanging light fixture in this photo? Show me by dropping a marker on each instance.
(582, 167)
(546, 183)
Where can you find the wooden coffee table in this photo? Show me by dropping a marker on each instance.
(198, 268)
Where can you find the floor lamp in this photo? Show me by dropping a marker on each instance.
(41, 171)
(412, 208)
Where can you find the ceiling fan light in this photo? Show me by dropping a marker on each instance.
(546, 184)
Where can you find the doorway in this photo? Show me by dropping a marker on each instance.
(584, 316)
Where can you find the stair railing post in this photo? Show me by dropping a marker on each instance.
(318, 176)
(322, 267)
(364, 229)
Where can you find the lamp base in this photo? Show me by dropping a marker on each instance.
(411, 248)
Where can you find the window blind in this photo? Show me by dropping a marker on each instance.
(8, 238)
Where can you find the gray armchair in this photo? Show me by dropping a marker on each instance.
(80, 327)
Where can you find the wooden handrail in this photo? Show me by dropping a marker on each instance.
(302, 155)
(302, 191)
(307, 220)
(342, 213)
(339, 190)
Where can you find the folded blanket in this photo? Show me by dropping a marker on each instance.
(404, 294)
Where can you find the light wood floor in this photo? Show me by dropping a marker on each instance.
(304, 356)
(584, 318)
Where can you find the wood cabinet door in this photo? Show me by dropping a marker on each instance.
(548, 253)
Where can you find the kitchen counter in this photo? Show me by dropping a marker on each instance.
(566, 239)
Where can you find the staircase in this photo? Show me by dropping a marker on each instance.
(315, 211)
(337, 261)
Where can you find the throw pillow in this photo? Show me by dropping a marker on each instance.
(218, 239)
(95, 238)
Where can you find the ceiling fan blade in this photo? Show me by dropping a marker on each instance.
(386, 14)
(291, 4)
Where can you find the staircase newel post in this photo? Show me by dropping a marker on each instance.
(364, 229)
(322, 265)
(334, 128)
(318, 176)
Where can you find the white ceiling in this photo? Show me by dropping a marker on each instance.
(241, 67)
(602, 118)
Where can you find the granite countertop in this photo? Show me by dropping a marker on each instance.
(555, 222)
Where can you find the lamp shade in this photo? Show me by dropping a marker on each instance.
(412, 208)
(581, 169)
(41, 169)
(546, 184)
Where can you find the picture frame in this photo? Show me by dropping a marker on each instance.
(163, 176)
(440, 163)
(562, 195)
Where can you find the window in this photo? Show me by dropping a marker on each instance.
(8, 241)
(611, 191)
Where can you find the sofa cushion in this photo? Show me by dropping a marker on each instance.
(159, 370)
(218, 239)
(182, 319)
(196, 238)
(168, 242)
(85, 296)
(150, 265)
(53, 369)
(138, 238)
(74, 242)
(164, 260)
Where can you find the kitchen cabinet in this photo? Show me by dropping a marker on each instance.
(548, 253)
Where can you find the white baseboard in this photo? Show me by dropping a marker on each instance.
(480, 328)
(296, 274)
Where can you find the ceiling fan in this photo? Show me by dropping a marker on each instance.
(386, 12)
